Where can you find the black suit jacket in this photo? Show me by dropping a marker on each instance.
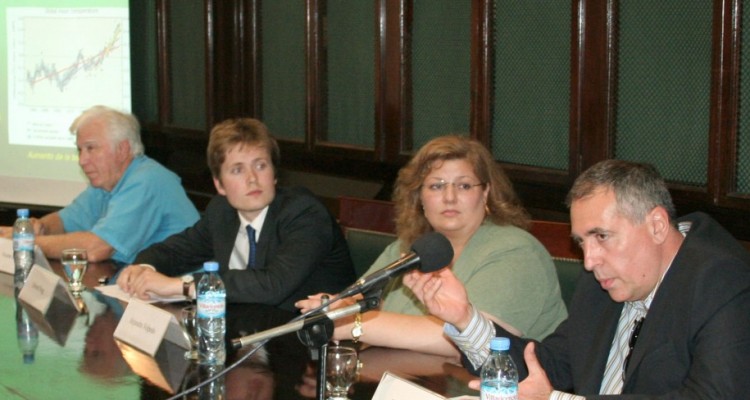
(301, 251)
(694, 342)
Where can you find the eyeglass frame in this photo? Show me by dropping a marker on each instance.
(459, 187)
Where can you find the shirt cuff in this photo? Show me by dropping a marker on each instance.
(555, 395)
(147, 266)
(474, 341)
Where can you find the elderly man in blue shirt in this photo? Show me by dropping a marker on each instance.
(131, 202)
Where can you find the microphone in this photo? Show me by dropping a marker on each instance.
(430, 252)
(295, 325)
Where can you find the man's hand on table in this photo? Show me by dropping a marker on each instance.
(141, 281)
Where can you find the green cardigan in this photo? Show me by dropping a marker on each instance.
(507, 274)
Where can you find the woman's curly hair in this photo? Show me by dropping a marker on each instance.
(503, 205)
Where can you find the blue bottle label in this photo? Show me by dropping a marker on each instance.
(23, 242)
(212, 305)
(494, 390)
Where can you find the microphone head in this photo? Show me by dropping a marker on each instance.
(434, 251)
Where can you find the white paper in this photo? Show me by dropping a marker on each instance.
(392, 387)
(119, 294)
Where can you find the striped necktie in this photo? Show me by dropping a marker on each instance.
(612, 382)
(251, 253)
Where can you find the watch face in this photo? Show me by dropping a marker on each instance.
(187, 278)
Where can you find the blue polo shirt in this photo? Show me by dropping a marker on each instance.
(147, 205)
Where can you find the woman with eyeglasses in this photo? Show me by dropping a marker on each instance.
(453, 186)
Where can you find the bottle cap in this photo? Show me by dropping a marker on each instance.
(500, 343)
(28, 358)
(211, 266)
(22, 212)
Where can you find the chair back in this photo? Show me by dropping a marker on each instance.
(567, 256)
(369, 214)
(368, 227)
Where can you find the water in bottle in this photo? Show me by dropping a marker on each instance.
(211, 303)
(23, 246)
(499, 374)
(214, 390)
(28, 335)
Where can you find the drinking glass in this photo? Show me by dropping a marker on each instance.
(341, 371)
(75, 262)
(188, 322)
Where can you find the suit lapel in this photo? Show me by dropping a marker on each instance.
(267, 232)
(654, 328)
(600, 346)
(226, 235)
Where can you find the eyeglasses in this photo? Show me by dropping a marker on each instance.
(633, 338)
(460, 187)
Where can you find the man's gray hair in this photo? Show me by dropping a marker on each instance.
(120, 126)
(638, 187)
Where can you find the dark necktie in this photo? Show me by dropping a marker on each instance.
(251, 253)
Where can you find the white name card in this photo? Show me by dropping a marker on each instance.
(7, 264)
(393, 387)
(144, 327)
(43, 285)
(153, 344)
(49, 303)
(6, 256)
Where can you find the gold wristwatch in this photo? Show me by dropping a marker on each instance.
(357, 330)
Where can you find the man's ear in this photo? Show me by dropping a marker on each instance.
(123, 149)
(219, 187)
(659, 226)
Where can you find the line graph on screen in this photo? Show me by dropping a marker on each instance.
(53, 72)
(63, 61)
(60, 78)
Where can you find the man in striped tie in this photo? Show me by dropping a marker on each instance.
(663, 312)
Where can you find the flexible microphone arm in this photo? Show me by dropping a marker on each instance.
(360, 306)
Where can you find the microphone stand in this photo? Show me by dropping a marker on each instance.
(316, 337)
(318, 328)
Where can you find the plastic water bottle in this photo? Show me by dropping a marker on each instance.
(499, 374)
(214, 390)
(23, 246)
(211, 316)
(28, 335)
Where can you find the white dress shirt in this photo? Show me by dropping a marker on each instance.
(241, 250)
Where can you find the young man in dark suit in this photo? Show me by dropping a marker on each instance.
(274, 245)
(664, 312)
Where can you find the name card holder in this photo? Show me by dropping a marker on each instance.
(49, 303)
(153, 344)
(8, 265)
(7, 285)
